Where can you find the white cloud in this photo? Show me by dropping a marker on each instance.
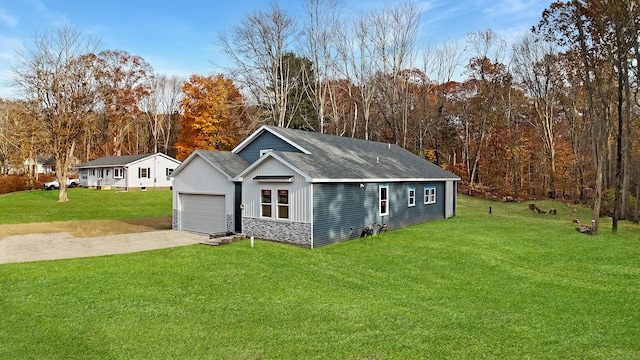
(8, 19)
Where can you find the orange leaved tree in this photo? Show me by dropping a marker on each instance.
(212, 108)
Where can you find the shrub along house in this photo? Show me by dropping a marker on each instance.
(129, 172)
(308, 188)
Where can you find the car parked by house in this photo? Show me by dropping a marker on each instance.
(56, 185)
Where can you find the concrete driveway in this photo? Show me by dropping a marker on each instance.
(53, 246)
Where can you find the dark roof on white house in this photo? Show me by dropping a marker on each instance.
(118, 160)
(334, 157)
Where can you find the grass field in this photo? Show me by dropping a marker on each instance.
(511, 284)
(84, 204)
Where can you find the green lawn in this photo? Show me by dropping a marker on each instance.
(511, 284)
(84, 204)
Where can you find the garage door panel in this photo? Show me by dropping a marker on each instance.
(203, 213)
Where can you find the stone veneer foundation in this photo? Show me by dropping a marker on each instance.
(230, 227)
(286, 232)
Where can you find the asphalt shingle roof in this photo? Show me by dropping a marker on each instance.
(335, 157)
(228, 162)
(114, 160)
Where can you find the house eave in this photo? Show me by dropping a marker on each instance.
(195, 154)
(380, 180)
(264, 158)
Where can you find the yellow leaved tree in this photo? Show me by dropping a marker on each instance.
(213, 115)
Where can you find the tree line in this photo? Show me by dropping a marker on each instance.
(552, 114)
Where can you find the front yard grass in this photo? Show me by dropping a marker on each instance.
(84, 204)
(511, 284)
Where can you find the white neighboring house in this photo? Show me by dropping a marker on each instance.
(42, 165)
(129, 172)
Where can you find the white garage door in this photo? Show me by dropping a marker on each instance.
(202, 213)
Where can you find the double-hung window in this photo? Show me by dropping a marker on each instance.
(279, 198)
(383, 200)
(411, 197)
(144, 173)
(118, 173)
(265, 203)
(429, 195)
(283, 204)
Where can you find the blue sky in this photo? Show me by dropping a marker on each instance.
(177, 37)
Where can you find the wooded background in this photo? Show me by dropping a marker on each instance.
(554, 114)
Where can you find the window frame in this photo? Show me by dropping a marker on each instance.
(144, 173)
(266, 205)
(430, 195)
(411, 197)
(118, 173)
(282, 205)
(383, 203)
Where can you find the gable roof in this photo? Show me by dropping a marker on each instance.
(329, 158)
(227, 163)
(120, 160)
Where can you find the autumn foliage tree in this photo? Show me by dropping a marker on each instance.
(123, 81)
(52, 71)
(212, 108)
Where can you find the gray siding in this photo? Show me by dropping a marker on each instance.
(341, 211)
(265, 141)
(401, 215)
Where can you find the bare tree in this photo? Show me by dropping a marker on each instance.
(394, 33)
(536, 66)
(439, 67)
(8, 141)
(321, 29)
(488, 52)
(158, 108)
(359, 64)
(21, 135)
(53, 73)
(258, 48)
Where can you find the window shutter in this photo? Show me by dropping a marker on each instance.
(139, 171)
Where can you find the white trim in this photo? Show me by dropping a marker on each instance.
(264, 158)
(278, 204)
(432, 193)
(201, 193)
(386, 206)
(193, 155)
(377, 180)
(264, 151)
(409, 197)
(129, 163)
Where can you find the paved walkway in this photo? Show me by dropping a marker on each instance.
(37, 247)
